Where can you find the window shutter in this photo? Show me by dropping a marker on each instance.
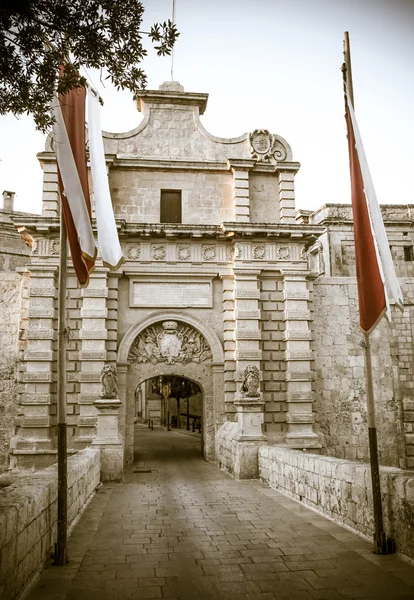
(170, 208)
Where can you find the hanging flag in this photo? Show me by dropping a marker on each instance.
(69, 136)
(377, 281)
(108, 242)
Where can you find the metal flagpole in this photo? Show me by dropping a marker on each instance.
(61, 546)
(172, 51)
(381, 544)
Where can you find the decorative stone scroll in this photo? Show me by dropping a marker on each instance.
(266, 147)
(170, 342)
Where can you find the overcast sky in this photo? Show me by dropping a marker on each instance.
(273, 64)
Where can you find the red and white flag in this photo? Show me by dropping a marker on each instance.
(70, 145)
(108, 241)
(377, 281)
(69, 136)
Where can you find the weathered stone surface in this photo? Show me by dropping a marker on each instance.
(342, 490)
(28, 517)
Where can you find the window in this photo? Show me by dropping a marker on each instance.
(408, 253)
(170, 207)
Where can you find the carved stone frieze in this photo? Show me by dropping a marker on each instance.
(159, 252)
(209, 253)
(133, 252)
(45, 247)
(184, 252)
(170, 342)
(259, 251)
(283, 252)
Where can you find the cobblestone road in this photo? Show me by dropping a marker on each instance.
(185, 530)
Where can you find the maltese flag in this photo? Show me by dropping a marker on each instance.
(70, 145)
(376, 278)
(108, 242)
(69, 137)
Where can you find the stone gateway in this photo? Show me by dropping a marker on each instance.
(225, 284)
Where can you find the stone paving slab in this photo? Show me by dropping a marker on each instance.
(187, 531)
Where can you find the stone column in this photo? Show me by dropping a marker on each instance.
(34, 444)
(108, 440)
(229, 343)
(286, 181)
(299, 374)
(241, 201)
(92, 353)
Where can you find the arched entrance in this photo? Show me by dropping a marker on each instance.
(171, 344)
(170, 401)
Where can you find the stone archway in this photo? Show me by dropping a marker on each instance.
(171, 343)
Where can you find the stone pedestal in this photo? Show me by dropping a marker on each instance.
(250, 418)
(107, 438)
(249, 437)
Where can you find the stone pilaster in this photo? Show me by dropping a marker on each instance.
(286, 183)
(247, 317)
(50, 196)
(299, 374)
(108, 440)
(35, 436)
(93, 353)
(241, 200)
(229, 342)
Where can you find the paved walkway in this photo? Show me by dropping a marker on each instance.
(179, 528)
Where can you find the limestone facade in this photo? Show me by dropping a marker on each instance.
(244, 280)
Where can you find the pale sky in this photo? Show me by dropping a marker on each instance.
(273, 64)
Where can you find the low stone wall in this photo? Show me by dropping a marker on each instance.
(239, 458)
(226, 446)
(341, 489)
(28, 517)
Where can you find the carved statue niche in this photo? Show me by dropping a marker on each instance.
(251, 382)
(109, 382)
(169, 342)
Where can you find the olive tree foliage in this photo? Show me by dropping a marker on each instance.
(37, 36)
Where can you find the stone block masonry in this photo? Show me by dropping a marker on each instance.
(10, 302)
(28, 518)
(340, 399)
(341, 489)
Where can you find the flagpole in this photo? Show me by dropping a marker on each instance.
(380, 542)
(172, 51)
(61, 546)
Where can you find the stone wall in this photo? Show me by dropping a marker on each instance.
(28, 518)
(239, 458)
(264, 198)
(206, 197)
(342, 490)
(10, 304)
(340, 398)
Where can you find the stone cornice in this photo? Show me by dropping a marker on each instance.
(154, 97)
(228, 230)
(272, 230)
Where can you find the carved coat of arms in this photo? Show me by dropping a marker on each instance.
(175, 343)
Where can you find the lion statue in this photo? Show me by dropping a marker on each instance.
(109, 382)
(251, 382)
